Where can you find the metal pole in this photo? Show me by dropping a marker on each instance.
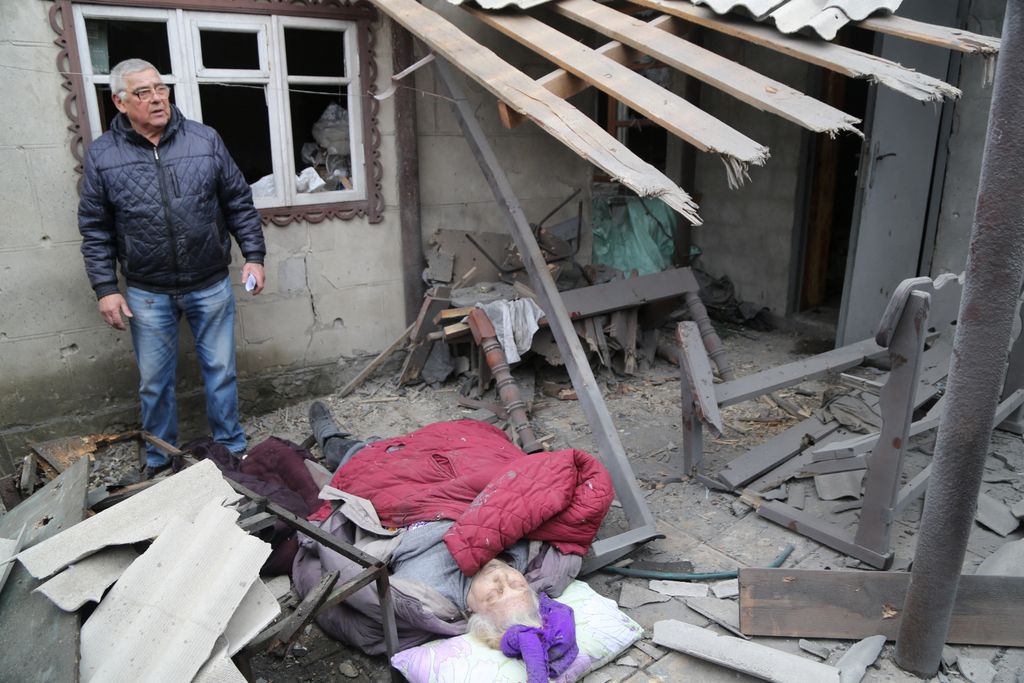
(995, 264)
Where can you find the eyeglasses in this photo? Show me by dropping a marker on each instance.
(146, 94)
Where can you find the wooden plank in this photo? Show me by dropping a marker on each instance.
(837, 360)
(434, 303)
(667, 109)
(585, 302)
(698, 374)
(824, 54)
(564, 122)
(40, 641)
(375, 363)
(989, 610)
(774, 452)
(742, 83)
(942, 36)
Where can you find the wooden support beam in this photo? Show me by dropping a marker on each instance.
(564, 122)
(942, 36)
(375, 363)
(735, 79)
(849, 605)
(665, 108)
(610, 450)
(824, 54)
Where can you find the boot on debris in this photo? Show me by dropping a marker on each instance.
(333, 442)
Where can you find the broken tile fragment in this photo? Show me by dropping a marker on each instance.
(1018, 509)
(780, 493)
(729, 588)
(994, 515)
(1007, 560)
(633, 595)
(976, 670)
(819, 651)
(862, 654)
(839, 485)
(679, 589)
(725, 613)
(87, 580)
(797, 496)
(949, 656)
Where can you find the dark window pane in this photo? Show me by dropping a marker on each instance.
(106, 107)
(229, 49)
(320, 135)
(240, 116)
(113, 41)
(314, 53)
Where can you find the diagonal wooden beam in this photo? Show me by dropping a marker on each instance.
(932, 34)
(824, 54)
(561, 120)
(739, 81)
(667, 109)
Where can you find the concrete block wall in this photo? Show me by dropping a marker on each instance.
(453, 192)
(747, 232)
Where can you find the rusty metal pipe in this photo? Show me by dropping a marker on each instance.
(487, 339)
(995, 266)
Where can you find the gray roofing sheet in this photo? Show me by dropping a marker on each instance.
(823, 17)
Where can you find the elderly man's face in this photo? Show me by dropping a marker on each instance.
(147, 104)
(498, 590)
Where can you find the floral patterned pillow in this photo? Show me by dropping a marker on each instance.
(602, 633)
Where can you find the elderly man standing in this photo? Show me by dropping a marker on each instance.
(162, 197)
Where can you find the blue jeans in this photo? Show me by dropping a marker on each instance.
(211, 315)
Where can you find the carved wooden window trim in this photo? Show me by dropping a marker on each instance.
(362, 13)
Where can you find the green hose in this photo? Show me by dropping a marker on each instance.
(682, 576)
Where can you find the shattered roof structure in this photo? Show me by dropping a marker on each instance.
(664, 39)
(824, 17)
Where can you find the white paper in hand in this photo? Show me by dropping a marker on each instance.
(250, 283)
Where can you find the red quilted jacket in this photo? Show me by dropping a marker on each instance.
(468, 471)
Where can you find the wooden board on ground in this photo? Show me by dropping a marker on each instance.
(989, 610)
(40, 641)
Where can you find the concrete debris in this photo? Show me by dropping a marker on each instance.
(1018, 509)
(348, 669)
(1007, 560)
(280, 586)
(780, 493)
(729, 588)
(633, 595)
(87, 580)
(649, 649)
(797, 496)
(995, 515)
(757, 660)
(976, 670)
(139, 518)
(839, 485)
(725, 613)
(819, 651)
(949, 656)
(162, 618)
(628, 661)
(679, 589)
(862, 654)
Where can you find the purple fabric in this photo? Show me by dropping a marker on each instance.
(548, 650)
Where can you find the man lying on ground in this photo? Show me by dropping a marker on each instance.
(478, 535)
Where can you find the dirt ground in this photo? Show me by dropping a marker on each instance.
(711, 529)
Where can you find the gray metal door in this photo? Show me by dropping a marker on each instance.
(894, 181)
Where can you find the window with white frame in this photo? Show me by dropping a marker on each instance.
(282, 91)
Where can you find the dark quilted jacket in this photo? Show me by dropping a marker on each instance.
(165, 213)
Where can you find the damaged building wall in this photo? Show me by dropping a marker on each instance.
(453, 193)
(747, 231)
(970, 121)
(334, 288)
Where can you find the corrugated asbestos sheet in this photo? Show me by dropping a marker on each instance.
(139, 518)
(163, 617)
(86, 580)
(824, 17)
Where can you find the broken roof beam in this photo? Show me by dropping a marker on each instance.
(932, 34)
(819, 52)
(556, 116)
(668, 110)
(735, 79)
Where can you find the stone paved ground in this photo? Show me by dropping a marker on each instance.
(706, 527)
